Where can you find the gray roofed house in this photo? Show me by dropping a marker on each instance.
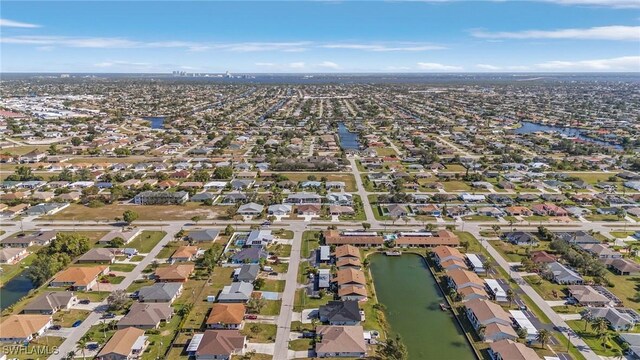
(324, 278)
(22, 240)
(50, 302)
(161, 198)
(239, 184)
(127, 236)
(249, 255)
(45, 209)
(618, 320)
(98, 255)
(563, 275)
(577, 237)
(248, 273)
(340, 313)
(520, 238)
(206, 235)
(250, 209)
(259, 238)
(12, 255)
(303, 198)
(165, 292)
(633, 340)
(236, 292)
(203, 196)
(279, 209)
(146, 316)
(234, 197)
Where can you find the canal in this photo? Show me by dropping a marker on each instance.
(530, 127)
(412, 299)
(348, 140)
(14, 290)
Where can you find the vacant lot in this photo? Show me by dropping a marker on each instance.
(146, 241)
(145, 212)
(349, 180)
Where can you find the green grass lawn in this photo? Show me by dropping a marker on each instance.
(456, 186)
(602, 217)
(625, 288)
(301, 344)
(272, 307)
(122, 267)
(170, 248)
(260, 333)
(10, 271)
(273, 285)
(283, 234)
(545, 288)
(591, 338)
(146, 241)
(479, 218)
(280, 250)
(37, 346)
(621, 234)
(302, 301)
(310, 242)
(68, 317)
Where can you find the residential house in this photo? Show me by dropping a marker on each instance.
(496, 321)
(206, 235)
(12, 256)
(174, 273)
(250, 255)
(160, 292)
(624, 267)
(521, 238)
(561, 274)
(467, 283)
(161, 198)
(236, 292)
(79, 278)
(146, 315)
(24, 240)
(587, 296)
(226, 316)
(24, 327)
(340, 313)
(250, 209)
(427, 239)
(247, 273)
(184, 254)
(217, 345)
(620, 319)
(126, 236)
(51, 302)
(340, 341)
(511, 350)
(365, 239)
(98, 256)
(125, 344)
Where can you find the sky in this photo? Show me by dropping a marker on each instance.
(320, 36)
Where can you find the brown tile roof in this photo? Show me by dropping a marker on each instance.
(348, 261)
(226, 314)
(444, 237)
(185, 252)
(352, 290)
(513, 350)
(347, 251)
(220, 342)
(121, 342)
(22, 326)
(350, 276)
(178, 272)
(80, 275)
(485, 310)
(446, 251)
(461, 277)
(341, 339)
(333, 237)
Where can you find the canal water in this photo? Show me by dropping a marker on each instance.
(157, 122)
(530, 127)
(14, 290)
(412, 299)
(348, 140)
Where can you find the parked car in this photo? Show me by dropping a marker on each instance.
(77, 323)
(84, 301)
(56, 327)
(251, 316)
(108, 316)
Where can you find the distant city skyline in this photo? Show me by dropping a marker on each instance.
(320, 36)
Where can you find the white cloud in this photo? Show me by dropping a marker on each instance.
(625, 63)
(401, 46)
(488, 67)
(265, 64)
(16, 24)
(616, 32)
(437, 67)
(119, 63)
(329, 65)
(297, 65)
(69, 41)
(608, 3)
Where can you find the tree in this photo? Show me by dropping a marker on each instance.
(392, 349)
(586, 317)
(366, 226)
(258, 283)
(129, 216)
(117, 300)
(254, 305)
(599, 325)
(543, 336)
(196, 219)
(201, 175)
(510, 296)
(76, 141)
(228, 230)
(522, 333)
(223, 172)
(82, 344)
(116, 242)
(496, 229)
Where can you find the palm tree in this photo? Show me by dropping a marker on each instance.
(82, 344)
(392, 349)
(543, 336)
(481, 329)
(604, 338)
(586, 317)
(600, 325)
(510, 296)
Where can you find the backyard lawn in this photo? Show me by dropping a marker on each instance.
(310, 242)
(146, 241)
(260, 333)
(610, 348)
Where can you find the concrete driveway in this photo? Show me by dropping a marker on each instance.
(261, 348)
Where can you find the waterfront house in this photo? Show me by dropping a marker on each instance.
(51, 302)
(427, 239)
(497, 322)
(24, 327)
(511, 350)
(79, 277)
(340, 341)
(12, 256)
(340, 313)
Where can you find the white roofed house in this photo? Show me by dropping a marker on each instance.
(279, 209)
(250, 209)
(259, 238)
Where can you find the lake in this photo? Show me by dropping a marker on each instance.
(530, 127)
(348, 140)
(157, 122)
(412, 299)
(14, 290)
